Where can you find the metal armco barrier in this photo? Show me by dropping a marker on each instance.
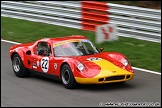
(133, 22)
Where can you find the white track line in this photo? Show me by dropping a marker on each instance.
(144, 70)
(10, 41)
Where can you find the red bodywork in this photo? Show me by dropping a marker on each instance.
(55, 63)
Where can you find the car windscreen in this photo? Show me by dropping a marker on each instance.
(75, 48)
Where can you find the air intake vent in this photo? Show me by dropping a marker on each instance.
(115, 78)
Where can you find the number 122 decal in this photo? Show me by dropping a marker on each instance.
(45, 64)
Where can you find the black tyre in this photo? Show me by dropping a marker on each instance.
(67, 77)
(18, 67)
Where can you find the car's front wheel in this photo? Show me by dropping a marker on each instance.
(18, 67)
(67, 77)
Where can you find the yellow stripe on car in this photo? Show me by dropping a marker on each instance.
(109, 69)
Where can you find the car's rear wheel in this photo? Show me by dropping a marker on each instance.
(18, 67)
(67, 77)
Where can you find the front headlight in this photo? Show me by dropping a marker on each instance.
(124, 61)
(80, 66)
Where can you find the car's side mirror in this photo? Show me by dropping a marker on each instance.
(28, 52)
(101, 49)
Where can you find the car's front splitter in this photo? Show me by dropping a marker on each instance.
(104, 79)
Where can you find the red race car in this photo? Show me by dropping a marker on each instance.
(71, 59)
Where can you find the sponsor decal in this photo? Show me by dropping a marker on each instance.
(38, 63)
(65, 42)
(35, 65)
(85, 40)
(55, 65)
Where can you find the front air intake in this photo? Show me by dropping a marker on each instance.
(115, 78)
(101, 79)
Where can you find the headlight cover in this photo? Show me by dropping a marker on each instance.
(124, 61)
(80, 66)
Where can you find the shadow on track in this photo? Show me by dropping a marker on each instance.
(91, 87)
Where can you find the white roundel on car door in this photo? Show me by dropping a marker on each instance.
(45, 64)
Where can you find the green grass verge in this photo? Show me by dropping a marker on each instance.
(141, 54)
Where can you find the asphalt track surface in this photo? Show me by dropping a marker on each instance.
(37, 91)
